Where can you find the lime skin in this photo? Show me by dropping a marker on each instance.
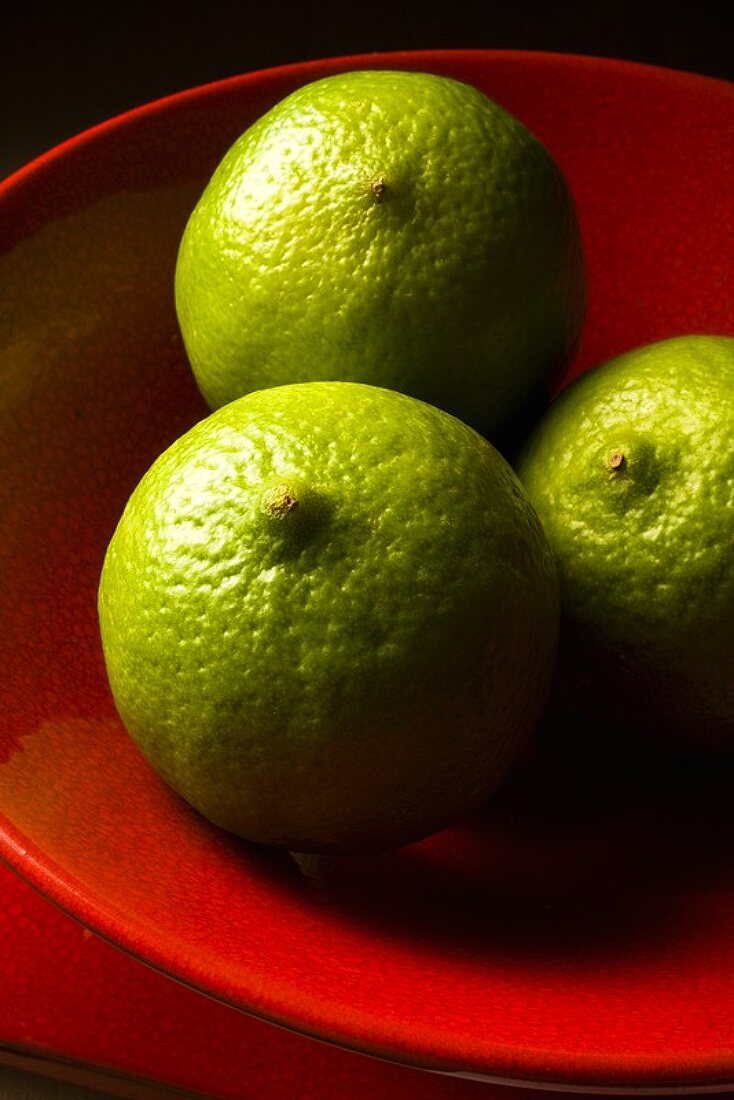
(632, 474)
(393, 228)
(329, 617)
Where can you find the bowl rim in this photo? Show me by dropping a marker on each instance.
(173, 100)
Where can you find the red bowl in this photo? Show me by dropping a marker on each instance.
(579, 931)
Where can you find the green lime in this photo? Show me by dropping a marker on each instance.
(393, 228)
(329, 617)
(632, 474)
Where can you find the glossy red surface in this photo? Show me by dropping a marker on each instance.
(581, 929)
(73, 1005)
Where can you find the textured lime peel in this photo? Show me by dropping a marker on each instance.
(329, 616)
(632, 473)
(394, 228)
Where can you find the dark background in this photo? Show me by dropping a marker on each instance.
(69, 65)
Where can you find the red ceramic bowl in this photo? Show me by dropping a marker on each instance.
(579, 932)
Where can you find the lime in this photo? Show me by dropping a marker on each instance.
(393, 228)
(632, 474)
(329, 617)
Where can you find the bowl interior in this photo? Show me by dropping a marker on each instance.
(578, 930)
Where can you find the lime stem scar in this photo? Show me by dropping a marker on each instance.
(377, 187)
(615, 460)
(280, 501)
